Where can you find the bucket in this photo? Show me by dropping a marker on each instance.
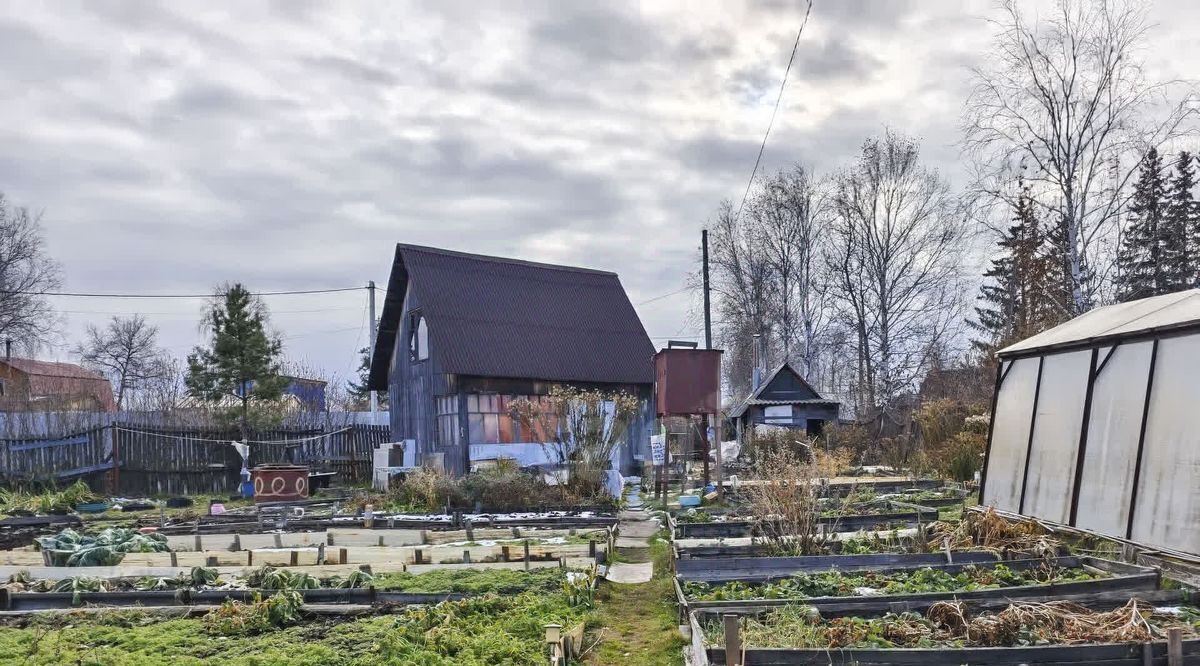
(279, 483)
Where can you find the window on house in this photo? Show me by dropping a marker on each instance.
(490, 419)
(418, 337)
(1, 388)
(778, 414)
(447, 420)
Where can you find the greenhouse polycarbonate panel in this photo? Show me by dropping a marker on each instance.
(1010, 435)
(1114, 425)
(1128, 317)
(1056, 429)
(1167, 512)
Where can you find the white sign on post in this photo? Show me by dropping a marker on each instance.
(658, 449)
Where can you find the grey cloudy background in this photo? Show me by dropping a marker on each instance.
(289, 145)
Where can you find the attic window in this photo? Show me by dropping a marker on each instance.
(418, 338)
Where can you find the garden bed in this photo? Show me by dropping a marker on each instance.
(203, 587)
(849, 523)
(1012, 579)
(1109, 629)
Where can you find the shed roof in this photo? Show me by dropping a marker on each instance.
(755, 398)
(1113, 322)
(498, 317)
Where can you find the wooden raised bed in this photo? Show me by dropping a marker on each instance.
(1113, 654)
(745, 528)
(1126, 578)
(755, 569)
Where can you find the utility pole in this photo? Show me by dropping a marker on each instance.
(371, 308)
(707, 306)
(712, 423)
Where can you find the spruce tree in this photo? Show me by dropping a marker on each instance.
(243, 361)
(1182, 227)
(1012, 297)
(1141, 258)
(1056, 302)
(357, 388)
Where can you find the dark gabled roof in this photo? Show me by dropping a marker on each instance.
(496, 317)
(755, 398)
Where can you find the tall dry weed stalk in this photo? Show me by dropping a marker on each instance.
(784, 501)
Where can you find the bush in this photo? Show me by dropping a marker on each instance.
(234, 618)
(954, 436)
(505, 487)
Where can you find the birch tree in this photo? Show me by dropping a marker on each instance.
(897, 237)
(1068, 98)
(784, 215)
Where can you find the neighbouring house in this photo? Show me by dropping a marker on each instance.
(463, 335)
(309, 393)
(785, 399)
(29, 385)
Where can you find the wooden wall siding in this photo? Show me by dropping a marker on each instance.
(183, 462)
(413, 387)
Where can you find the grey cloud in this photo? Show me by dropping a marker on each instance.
(353, 70)
(598, 34)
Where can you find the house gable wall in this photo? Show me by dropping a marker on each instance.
(786, 385)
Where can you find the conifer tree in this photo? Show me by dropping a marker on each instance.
(1056, 302)
(243, 362)
(1026, 285)
(359, 394)
(1181, 236)
(1141, 259)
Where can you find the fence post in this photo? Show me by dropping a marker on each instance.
(733, 640)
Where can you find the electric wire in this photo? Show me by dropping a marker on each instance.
(771, 123)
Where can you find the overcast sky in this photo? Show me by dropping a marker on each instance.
(290, 145)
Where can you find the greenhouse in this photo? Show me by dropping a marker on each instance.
(1095, 424)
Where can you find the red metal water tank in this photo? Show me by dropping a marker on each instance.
(687, 381)
(279, 483)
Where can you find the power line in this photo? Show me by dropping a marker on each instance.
(208, 295)
(659, 298)
(771, 123)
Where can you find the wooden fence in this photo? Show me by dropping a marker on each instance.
(140, 461)
(54, 459)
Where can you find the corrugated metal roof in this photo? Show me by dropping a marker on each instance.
(1114, 321)
(497, 317)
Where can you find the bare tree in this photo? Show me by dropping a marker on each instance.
(745, 290)
(784, 215)
(127, 351)
(1065, 102)
(26, 272)
(897, 236)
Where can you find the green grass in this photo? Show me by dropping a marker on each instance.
(636, 624)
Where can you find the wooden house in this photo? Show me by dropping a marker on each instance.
(785, 399)
(463, 335)
(29, 385)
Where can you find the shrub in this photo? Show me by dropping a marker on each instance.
(234, 618)
(505, 487)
